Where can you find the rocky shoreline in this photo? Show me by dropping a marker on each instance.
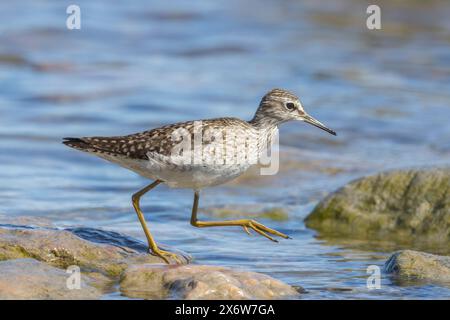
(37, 263)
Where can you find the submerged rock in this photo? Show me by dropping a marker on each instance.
(407, 205)
(32, 279)
(421, 265)
(201, 282)
(252, 211)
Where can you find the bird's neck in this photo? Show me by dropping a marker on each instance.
(261, 122)
(266, 129)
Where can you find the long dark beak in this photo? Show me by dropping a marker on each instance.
(307, 118)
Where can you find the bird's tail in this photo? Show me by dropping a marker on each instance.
(77, 143)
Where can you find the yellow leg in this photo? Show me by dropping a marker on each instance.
(244, 223)
(152, 246)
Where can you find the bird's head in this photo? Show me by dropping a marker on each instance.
(279, 105)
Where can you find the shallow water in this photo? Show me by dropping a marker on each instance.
(140, 64)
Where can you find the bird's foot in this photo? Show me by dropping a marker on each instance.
(262, 230)
(167, 256)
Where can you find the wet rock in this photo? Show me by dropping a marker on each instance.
(421, 265)
(201, 282)
(62, 248)
(408, 205)
(32, 279)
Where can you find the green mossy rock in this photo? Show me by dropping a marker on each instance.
(407, 205)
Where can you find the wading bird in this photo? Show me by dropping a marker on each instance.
(151, 155)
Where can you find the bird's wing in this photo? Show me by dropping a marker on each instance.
(162, 141)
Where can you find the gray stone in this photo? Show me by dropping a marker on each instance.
(32, 279)
(421, 265)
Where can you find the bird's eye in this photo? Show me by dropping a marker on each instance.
(290, 106)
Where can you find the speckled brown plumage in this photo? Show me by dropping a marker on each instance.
(159, 140)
